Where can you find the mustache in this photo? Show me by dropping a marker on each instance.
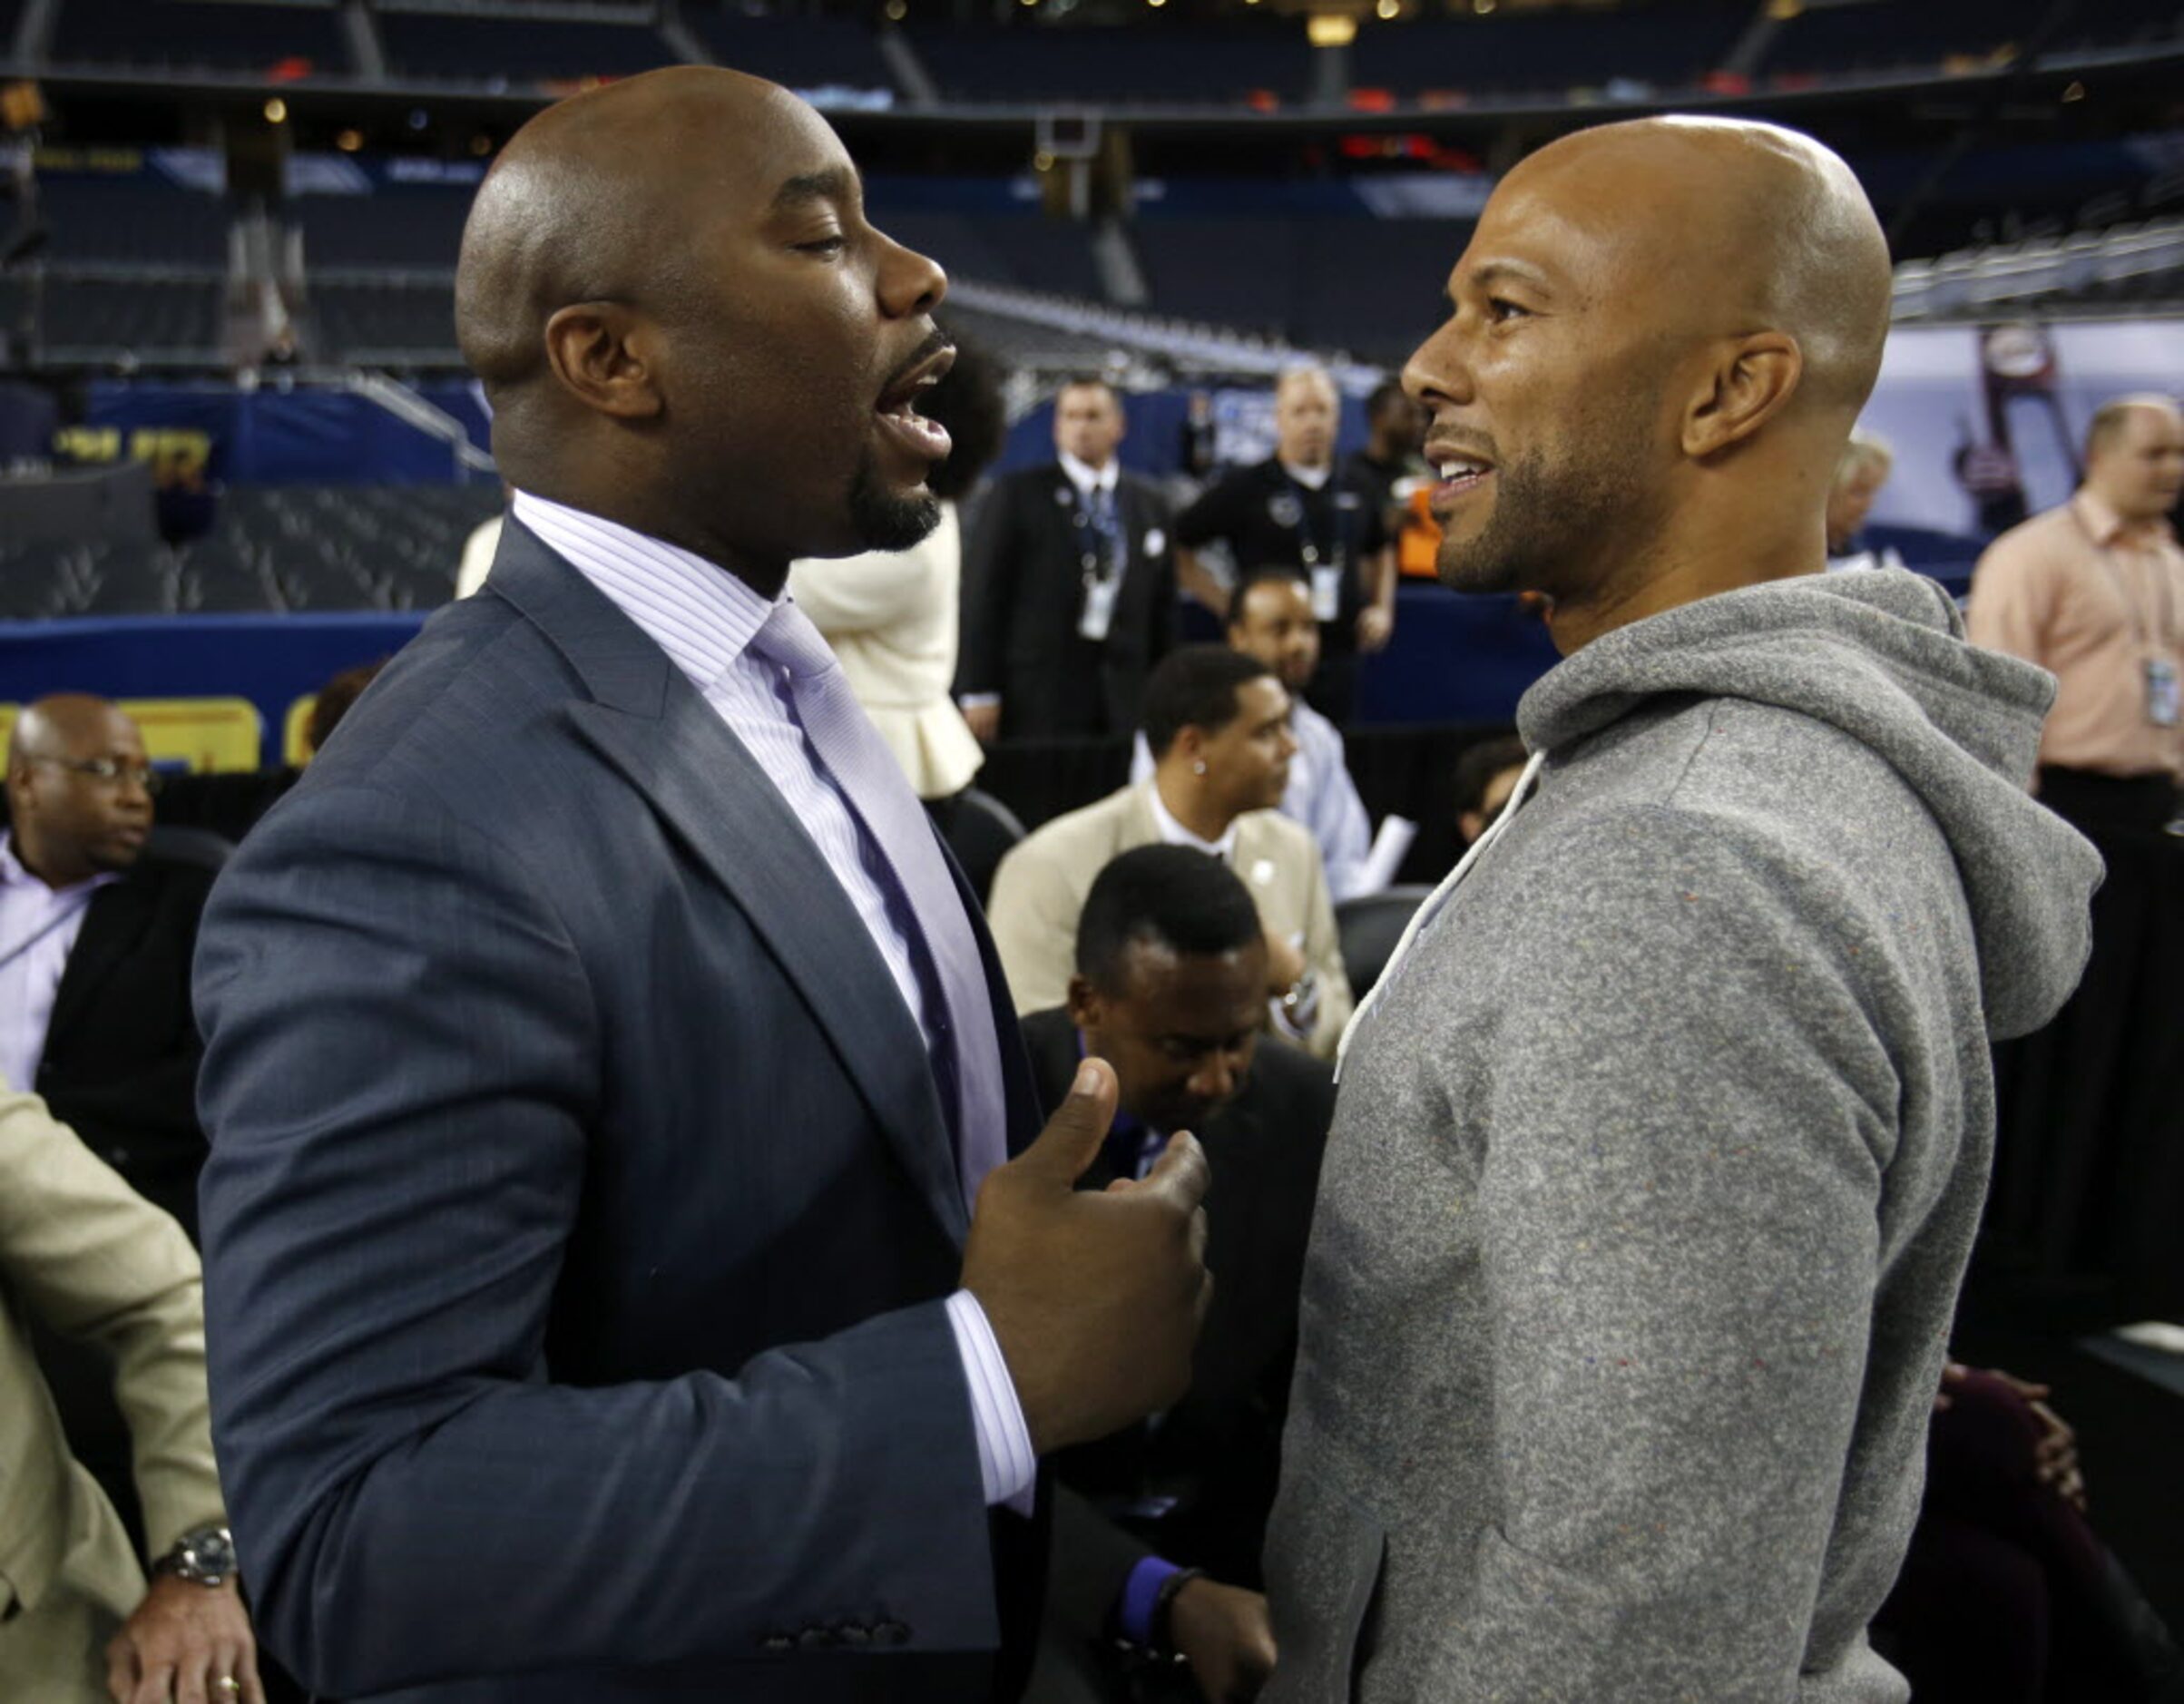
(938, 342)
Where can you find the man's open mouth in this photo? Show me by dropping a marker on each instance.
(897, 406)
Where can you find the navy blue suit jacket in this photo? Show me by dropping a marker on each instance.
(580, 1207)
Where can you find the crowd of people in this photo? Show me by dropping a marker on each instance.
(668, 1232)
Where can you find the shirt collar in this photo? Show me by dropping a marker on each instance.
(13, 873)
(2107, 527)
(1088, 478)
(1310, 478)
(1173, 833)
(697, 611)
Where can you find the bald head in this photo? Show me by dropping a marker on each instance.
(1307, 414)
(2134, 455)
(596, 198)
(78, 789)
(63, 725)
(685, 323)
(1661, 334)
(1727, 226)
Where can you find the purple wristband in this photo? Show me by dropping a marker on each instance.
(1140, 1592)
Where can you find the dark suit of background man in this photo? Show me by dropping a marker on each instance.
(1068, 589)
(95, 941)
(1169, 988)
(601, 1052)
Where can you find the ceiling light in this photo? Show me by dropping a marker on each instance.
(277, 110)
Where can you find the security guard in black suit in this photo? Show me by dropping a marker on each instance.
(1068, 587)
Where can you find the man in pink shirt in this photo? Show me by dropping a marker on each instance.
(2093, 591)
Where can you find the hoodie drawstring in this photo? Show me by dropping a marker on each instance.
(1434, 901)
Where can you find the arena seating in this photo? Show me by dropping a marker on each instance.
(386, 322)
(798, 53)
(499, 50)
(413, 226)
(1508, 52)
(1840, 40)
(274, 548)
(202, 35)
(139, 219)
(151, 320)
(1193, 65)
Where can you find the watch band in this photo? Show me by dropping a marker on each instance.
(1162, 1603)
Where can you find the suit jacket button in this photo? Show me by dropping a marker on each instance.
(892, 1634)
(117, 1157)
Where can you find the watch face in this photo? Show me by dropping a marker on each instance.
(206, 1555)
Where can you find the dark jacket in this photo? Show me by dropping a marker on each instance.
(581, 1210)
(1218, 1450)
(122, 1050)
(1024, 592)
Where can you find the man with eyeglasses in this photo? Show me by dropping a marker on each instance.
(96, 943)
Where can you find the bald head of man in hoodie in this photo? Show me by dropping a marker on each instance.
(1660, 336)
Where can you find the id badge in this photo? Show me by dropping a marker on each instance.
(2161, 695)
(1326, 590)
(1099, 613)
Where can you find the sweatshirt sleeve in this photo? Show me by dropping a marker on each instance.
(1689, 1117)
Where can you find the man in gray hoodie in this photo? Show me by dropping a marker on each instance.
(1661, 1146)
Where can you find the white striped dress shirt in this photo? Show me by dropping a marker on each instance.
(704, 618)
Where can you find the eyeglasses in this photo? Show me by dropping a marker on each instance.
(108, 772)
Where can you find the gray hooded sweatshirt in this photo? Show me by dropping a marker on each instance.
(1656, 1163)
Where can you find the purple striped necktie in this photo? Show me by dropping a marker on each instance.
(874, 783)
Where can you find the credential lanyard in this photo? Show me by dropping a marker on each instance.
(2164, 629)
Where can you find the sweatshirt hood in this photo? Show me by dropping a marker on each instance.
(1880, 656)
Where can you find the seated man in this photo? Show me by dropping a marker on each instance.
(1218, 723)
(1170, 970)
(83, 1253)
(1486, 774)
(1270, 618)
(95, 942)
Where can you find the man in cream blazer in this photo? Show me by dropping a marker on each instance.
(1218, 723)
(90, 1258)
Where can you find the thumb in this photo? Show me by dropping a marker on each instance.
(1180, 1172)
(1072, 1136)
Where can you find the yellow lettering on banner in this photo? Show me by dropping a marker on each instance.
(178, 456)
(203, 734)
(295, 747)
(89, 444)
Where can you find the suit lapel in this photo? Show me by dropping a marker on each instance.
(113, 924)
(655, 727)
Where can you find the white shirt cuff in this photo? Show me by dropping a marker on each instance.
(1005, 1462)
(978, 700)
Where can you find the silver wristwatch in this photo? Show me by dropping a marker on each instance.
(204, 1555)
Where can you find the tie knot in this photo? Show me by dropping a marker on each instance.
(790, 639)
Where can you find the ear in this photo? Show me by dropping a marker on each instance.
(607, 356)
(1190, 744)
(1084, 1003)
(1758, 375)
